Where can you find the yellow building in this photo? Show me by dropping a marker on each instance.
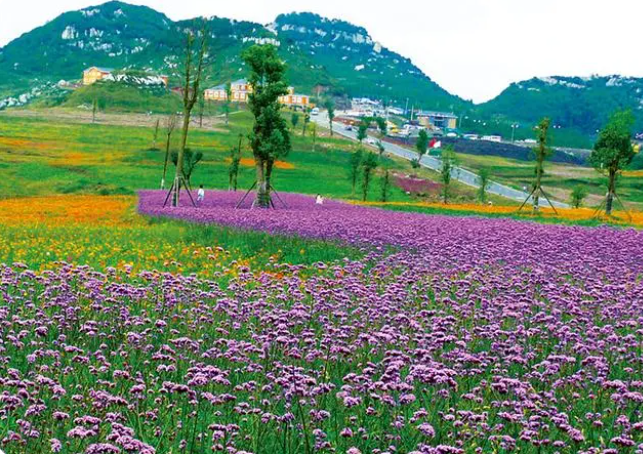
(293, 99)
(94, 74)
(217, 93)
(240, 91)
(437, 120)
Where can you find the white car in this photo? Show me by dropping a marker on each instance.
(371, 141)
(315, 111)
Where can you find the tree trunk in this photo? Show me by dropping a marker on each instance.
(536, 198)
(179, 161)
(263, 197)
(611, 190)
(367, 177)
(269, 166)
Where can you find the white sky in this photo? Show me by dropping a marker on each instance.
(473, 48)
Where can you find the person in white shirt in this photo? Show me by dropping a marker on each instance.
(200, 195)
(319, 200)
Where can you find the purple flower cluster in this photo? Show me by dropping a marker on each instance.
(470, 336)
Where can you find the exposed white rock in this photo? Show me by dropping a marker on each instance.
(94, 33)
(359, 68)
(69, 33)
(90, 12)
(273, 41)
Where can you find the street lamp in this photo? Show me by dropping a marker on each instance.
(514, 126)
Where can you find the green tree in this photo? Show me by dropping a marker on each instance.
(577, 196)
(613, 152)
(330, 107)
(193, 72)
(382, 126)
(369, 163)
(269, 139)
(294, 120)
(354, 165)
(541, 153)
(446, 172)
(483, 178)
(385, 186)
(422, 144)
(362, 131)
(190, 161)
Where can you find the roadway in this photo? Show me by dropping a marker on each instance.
(458, 173)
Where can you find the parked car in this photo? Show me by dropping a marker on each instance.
(348, 128)
(315, 111)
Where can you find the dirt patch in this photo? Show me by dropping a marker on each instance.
(119, 119)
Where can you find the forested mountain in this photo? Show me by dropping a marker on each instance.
(339, 56)
(327, 54)
(579, 103)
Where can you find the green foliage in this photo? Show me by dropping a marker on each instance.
(269, 138)
(369, 163)
(575, 104)
(577, 196)
(117, 97)
(381, 125)
(422, 144)
(190, 161)
(294, 119)
(613, 150)
(362, 131)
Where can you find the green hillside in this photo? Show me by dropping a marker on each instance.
(340, 57)
(579, 104)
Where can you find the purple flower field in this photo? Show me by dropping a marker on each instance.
(469, 336)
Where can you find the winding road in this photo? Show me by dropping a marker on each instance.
(458, 173)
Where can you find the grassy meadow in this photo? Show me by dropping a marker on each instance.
(559, 179)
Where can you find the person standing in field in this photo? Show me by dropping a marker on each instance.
(200, 195)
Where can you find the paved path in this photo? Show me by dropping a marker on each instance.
(462, 175)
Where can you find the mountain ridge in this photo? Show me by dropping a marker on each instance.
(323, 54)
(338, 55)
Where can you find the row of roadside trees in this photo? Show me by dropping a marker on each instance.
(270, 139)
